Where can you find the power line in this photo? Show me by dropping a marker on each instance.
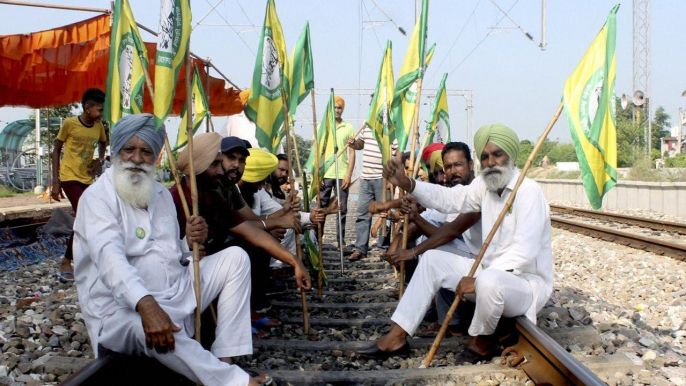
(233, 29)
(482, 40)
(373, 30)
(246, 16)
(455, 41)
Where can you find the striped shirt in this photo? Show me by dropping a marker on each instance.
(372, 168)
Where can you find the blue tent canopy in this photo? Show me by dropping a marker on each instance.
(13, 135)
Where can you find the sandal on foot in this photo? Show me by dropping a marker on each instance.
(62, 275)
(259, 334)
(473, 357)
(255, 374)
(267, 322)
(356, 256)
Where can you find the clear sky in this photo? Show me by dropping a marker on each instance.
(514, 82)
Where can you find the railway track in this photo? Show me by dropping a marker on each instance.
(606, 228)
(354, 311)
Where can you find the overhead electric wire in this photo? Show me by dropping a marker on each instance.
(455, 41)
(247, 17)
(207, 14)
(234, 30)
(481, 41)
(402, 31)
(373, 30)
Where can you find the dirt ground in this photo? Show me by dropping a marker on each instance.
(24, 200)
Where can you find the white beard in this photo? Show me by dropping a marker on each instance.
(498, 181)
(134, 187)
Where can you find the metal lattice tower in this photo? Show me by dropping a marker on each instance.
(641, 76)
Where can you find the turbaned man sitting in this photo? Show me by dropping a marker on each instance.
(133, 275)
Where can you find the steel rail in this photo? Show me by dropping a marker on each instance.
(659, 225)
(650, 244)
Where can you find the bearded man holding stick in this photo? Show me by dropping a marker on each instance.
(133, 275)
(516, 274)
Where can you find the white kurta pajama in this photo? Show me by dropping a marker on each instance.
(521, 245)
(123, 253)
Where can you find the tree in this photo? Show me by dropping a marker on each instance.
(304, 146)
(564, 152)
(525, 149)
(660, 127)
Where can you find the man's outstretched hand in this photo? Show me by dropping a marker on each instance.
(394, 171)
(157, 325)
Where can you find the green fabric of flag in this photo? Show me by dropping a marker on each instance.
(379, 109)
(326, 128)
(301, 75)
(438, 126)
(200, 110)
(265, 104)
(404, 98)
(589, 100)
(128, 59)
(172, 43)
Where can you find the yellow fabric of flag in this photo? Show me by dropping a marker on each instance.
(589, 100)
(200, 111)
(128, 58)
(265, 106)
(378, 118)
(438, 127)
(172, 43)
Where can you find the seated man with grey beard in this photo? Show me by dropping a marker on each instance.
(516, 274)
(133, 275)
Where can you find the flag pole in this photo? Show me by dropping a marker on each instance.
(338, 193)
(194, 190)
(487, 241)
(298, 250)
(417, 162)
(413, 138)
(315, 181)
(340, 152)
(167, 148)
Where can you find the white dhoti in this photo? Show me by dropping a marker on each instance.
(498, 293)
(288, 242)
(225, 274)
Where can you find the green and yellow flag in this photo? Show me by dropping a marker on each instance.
(378, 118)
(128, 59)
(200, 110)
(265, 106)
(414, 65)
(438, 127)
(301, 76)
(326, 127)
(589, 99)
(172, 43)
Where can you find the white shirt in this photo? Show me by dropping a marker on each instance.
(266, 205)
(123, 253)
(521, 244)
(238, 125)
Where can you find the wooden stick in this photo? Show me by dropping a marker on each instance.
(298, 250)
(297, 156)
(384, 199)
(487, 241)
(194, 191)
(316, 182)
(406, 218)
(419, 159)
(56, 6)
(340, 152)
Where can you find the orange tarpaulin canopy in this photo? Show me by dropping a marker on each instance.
(55, 67)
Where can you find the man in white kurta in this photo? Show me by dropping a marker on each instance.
(133, 275)
(515, 276)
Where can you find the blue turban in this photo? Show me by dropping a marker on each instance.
(140, 125)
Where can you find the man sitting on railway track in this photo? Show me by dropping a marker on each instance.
(516, 275)
(133, 276)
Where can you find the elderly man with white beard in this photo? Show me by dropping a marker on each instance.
(516, 274)
(133, 275)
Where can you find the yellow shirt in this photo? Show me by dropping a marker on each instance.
(80, 143)
(344, 131)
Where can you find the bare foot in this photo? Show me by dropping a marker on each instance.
(228, 360)
(394, 340)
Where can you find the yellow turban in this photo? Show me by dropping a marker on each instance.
(434, 160)
(243, 96)
(339, 101)
(205, 149)
(259, 165)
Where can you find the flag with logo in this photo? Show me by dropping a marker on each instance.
(301, 76)
(172, 43)
(128, 58)
(326, 127)
(311, 240)
(378, 118)
(265, 106)
(404, 98)
(200, 110)
(589, 100)
(438, 127)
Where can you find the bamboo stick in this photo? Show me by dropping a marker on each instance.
(298, 250)
(487, 241)
(406, 218)
(320, 231)
(194, 192)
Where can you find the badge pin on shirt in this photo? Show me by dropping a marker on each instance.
(140, 233)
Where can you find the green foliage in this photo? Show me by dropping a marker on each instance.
(630, 143)
(7, 191)
(679, 161)
(304, 146)
(643, 170)
(525, 149)
(564, 152)
(660, 127)
(654, 154)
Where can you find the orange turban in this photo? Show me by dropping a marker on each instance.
(339, 101)
(243, 96)
(426, 154)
